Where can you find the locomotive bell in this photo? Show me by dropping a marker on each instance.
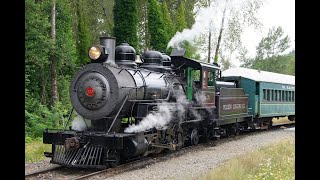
(138, 59)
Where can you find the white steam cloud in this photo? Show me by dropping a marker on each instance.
(206, 18)
(181, 104)
(200, 97)
(165, 114)
(158, 119)
(79, 123)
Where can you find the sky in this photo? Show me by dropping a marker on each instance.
(272, 13)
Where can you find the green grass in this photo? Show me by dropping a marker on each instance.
(34, 149)
(271, 162)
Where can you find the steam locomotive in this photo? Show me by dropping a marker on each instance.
(130, 110)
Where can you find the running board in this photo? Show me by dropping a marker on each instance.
(166, 146)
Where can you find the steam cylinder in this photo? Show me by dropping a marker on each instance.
(135, 146)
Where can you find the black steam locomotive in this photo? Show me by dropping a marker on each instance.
(130, 110)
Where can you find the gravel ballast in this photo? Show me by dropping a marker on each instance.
(38, 166)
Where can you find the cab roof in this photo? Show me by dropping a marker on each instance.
(180, 61)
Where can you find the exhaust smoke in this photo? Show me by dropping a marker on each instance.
(207, 18)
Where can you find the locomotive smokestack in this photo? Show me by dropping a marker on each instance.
(110, 44)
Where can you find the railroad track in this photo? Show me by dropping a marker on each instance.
(59, 172)
(76, 174)
(36, 173)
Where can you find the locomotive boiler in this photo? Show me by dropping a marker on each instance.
(130, 110)
(100, 91)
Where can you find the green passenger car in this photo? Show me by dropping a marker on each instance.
(270, 94)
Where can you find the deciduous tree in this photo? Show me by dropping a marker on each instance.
(226, 33)
(270, 54)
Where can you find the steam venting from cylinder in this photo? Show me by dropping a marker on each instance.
(109, 44)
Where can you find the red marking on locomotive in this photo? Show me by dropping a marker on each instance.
(90, 91)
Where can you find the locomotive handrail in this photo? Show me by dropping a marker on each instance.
(121, 70)
(161, 76)
(150, 100)
(144, 82)
(142, 100)
(133, 87)
(169, 93)
(147, 74)
(125, 99)
(69, 116)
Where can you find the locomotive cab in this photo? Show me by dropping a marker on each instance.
(200, 78)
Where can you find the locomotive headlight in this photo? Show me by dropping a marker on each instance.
(95, 52)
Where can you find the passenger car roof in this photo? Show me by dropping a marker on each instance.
(260, 76)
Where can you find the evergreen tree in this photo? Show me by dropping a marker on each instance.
(189, 5)
(125, 13)
(180, 25)
(180, 19)
(169, 28)
(84, 37)
(189, 12)
(156, 26)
